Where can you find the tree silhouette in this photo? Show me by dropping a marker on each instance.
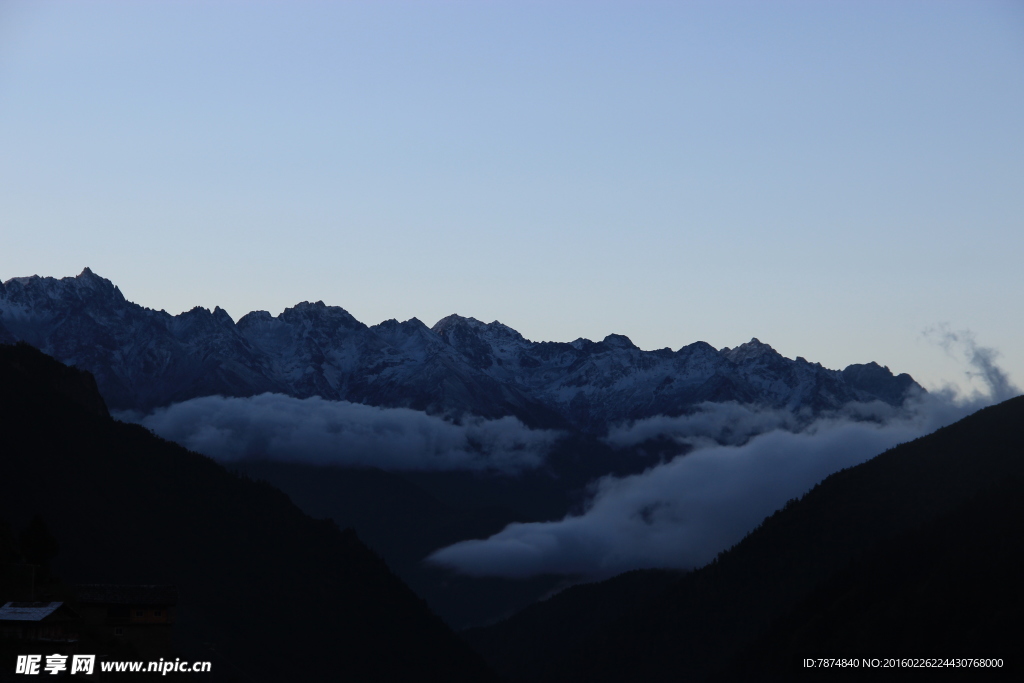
(37, 543)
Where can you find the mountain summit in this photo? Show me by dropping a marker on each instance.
(143, 358)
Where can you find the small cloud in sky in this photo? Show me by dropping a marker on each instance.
(980, 359)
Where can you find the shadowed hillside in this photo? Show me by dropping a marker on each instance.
(949, 589)
(405, 516)
(819, 578)
(263, 589)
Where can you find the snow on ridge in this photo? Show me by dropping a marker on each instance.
(460, 366)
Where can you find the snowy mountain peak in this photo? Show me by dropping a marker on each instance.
(469, 337)
(455, 322)
(619, 341)
(39, 290)
(89, 279)
(753, 349)
(699, 347)
(392, 327)
(222, 316)
(144, 358)
(256, 316)
(319, 312)
(879, 381)
(499, 331)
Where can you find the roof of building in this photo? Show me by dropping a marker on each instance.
(28, 611)
(126, 594)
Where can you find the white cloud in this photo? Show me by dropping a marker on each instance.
(682, 513)
(314, 430)
(719, 423)
(981, 359)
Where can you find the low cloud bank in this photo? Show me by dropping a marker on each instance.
(710, 424)
(746, 463)
(317, 431)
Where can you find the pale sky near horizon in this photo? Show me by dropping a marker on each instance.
(832, 178)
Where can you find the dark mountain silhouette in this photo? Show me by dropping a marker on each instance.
(266, 592)
(910, 548)
(403, 522)
(527, 643)
(405, 516)
(143, 359)
(949, 589)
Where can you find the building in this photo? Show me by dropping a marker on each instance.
(39, 622)
(141, 617)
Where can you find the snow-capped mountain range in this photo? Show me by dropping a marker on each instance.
(143, 358)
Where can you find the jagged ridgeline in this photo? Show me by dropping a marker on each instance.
(143, 358)
(265, 592)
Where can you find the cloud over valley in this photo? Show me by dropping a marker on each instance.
(744, 464)
(317, 431)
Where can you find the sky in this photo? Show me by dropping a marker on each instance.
(842, 180)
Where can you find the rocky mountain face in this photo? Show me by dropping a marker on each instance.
(143, 358)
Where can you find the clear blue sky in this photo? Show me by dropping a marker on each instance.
(831, 177)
